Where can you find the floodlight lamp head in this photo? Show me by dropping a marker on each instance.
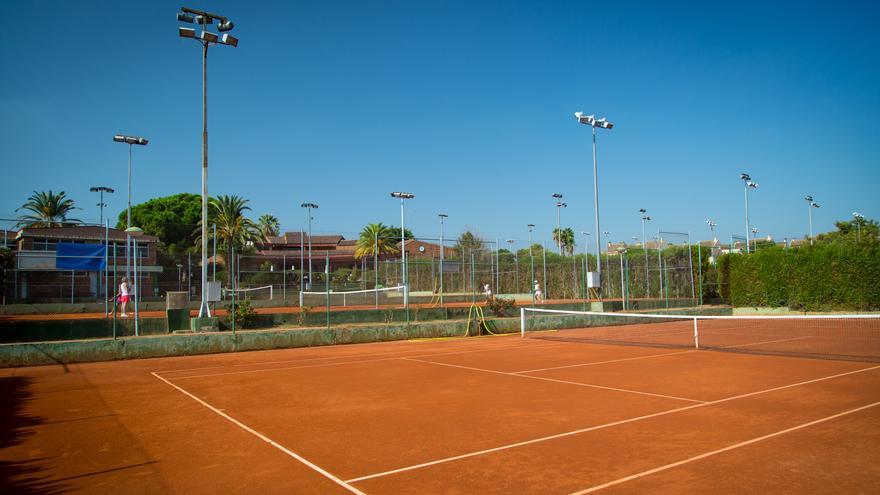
(642, 210)
(530, 226)
(228, 39)
(204, 19)
(119, 138)
(226, 25)
(745, 176)
(443, 215)
(557, 195)
(753, 185)
(815, 205)
(402, 195)
(603, 123)
(309, 205)
(808, 198)
(585, 232)
(184, 17)
(586, 119)
(186, 32)
(208, 37)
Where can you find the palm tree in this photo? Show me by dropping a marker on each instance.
(269, 226)
(233, 228)
(49, 210)
(376, 239)
(565, 238)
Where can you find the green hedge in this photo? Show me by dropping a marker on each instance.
(812, 278)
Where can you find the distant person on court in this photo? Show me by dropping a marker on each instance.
(488, 291)
(121, 297)
(539, 296)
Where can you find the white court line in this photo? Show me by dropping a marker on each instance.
(719, 451)
(756, 343)
(266, 439)
(604, 362)
(588, 385)
(323, 365)
(602, 426)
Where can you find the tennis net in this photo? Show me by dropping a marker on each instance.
(253, 293)
(845, 337)
(369, 297)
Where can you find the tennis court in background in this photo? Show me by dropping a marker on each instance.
(570, 411)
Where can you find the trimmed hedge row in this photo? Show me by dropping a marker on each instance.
(811, 278)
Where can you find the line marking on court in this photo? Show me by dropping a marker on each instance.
(391, 357)
(266, 439)
(603, 426)
(604, 362)
(589, 385)
(760, 343)
(721, 450)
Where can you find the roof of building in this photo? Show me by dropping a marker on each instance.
(80, 233)
(297, 238)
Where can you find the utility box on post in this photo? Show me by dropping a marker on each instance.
(593, 281)
(177, 311)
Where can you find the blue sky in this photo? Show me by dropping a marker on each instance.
(466, 104)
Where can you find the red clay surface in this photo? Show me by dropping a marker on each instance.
(493, 415)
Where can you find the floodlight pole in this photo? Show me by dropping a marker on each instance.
(747, 183)
(309, 207)
(593, 123)
(645, 218)
(531, 265)
(858, 216)
(442, 217)
(205, 18)
(403, 196)
(810, 206)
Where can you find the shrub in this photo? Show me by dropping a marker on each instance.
(500, 306)
(244, 315)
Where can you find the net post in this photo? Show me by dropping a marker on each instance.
(696, 335)
(522, 322)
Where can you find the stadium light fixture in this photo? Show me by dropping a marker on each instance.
(591, 121)
(810, 205)
(747, 184)
(101, 204)
(206, 38)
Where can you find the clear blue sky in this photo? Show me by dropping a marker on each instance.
(466, 104)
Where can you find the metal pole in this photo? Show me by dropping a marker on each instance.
(376, 266)
(214, 255)
(106, 260)
(473, 286)
(128, 219)
(622, 293)
(114, 288)
(327, 284)
(546, 288)
(645, 249)
(283, 277)
(441, 261)
(403, 263)
(691, 267)
(558, 232)
(810, 213)
(301, 264)
(596, 210)
(700, 269)
(309, 210)
(748, 230)
(204, 310)
(137, 288)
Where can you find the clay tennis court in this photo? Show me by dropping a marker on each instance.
(470, 415)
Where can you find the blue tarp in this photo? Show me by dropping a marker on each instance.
(88, 257)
